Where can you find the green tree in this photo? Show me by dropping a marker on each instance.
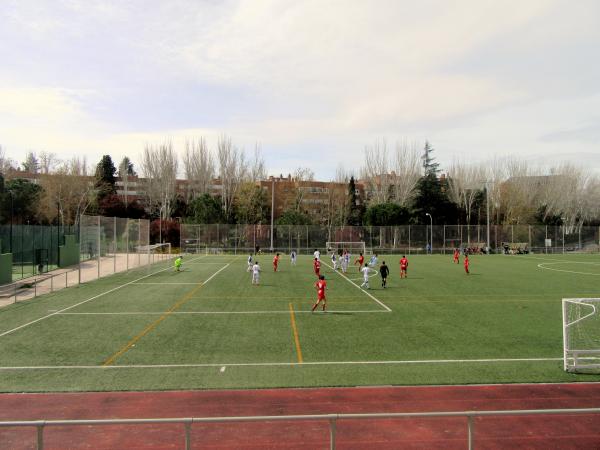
(25, 200)
(432, 198)
(356, 209)
(205, 209)
(251, 205)
(430, 167)
(387, 214)
(293, 217)
(105, 177)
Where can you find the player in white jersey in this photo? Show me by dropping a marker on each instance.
(293, 257)
(373, 260)
(317, 254)
(365, 272)
(255, 273)
(250, 263)
(334, 261)
(345, 260)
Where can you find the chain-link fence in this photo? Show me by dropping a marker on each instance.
(103, 246)
(34, 248)
(409, 239)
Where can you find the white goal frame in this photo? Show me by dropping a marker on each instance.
(576, 359)
(348, 245)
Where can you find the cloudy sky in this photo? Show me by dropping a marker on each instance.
(312, 81)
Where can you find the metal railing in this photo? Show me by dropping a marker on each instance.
(330, 418)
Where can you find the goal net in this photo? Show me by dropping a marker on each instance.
(581, 334)
(155, 252)
(354, 247)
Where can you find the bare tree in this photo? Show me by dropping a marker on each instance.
(257, 171)
(406, 172)
(199, 167)
(233, 170)
(31, 163)
(299, 178)
(376, 172)
(159, 167)
(465, 182)
(521, 192)
(6, 164)
(48, 162)
(67, 193)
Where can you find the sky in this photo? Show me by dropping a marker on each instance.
(311, 82)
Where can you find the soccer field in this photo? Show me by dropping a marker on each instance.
(208, 327)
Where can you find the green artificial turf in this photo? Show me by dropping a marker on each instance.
(208, 327)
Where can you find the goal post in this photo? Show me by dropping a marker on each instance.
(353, 247)
(581, 334)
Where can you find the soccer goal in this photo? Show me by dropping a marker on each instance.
(155, 252)
(354, 247)
(581, 334)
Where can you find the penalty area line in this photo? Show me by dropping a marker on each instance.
(85, 301)
(286, 364)
(359, 288)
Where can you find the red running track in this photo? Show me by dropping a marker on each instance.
(531, 432)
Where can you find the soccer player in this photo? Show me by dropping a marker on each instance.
(250, 263)
(456, 256)
(178, 262)
(360, 261)
(317, 254)
(255, 273)
(365, 272)
(317, 267)
(321, 284)
(466, 262)
(345, 260)
(275, 262)
(384, 271)
(334, 261)
(373, 260)
(293, 257)
(403, 267)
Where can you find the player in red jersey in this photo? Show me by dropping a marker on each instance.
(360, 261)
(275, 262)
(320, 285)
(317, 267)
(403, 267)
(467, 264)
(456, 256)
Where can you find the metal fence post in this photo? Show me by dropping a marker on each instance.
(40, 437)
(332, 430)
(35, 287)
(98, 246)
(470, 431)
(115, 244)
(188, 440)
(409, 239)
(51, 283)
(127, 244)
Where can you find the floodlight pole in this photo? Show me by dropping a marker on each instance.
(431, 234)
(272, 209)
(487, 204)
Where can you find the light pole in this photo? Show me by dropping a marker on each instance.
(431, 235)
(487, 205)
(272, 208)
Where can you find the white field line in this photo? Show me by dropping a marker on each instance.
(359, 288)
(147, 282)
(142, 313)
(290, 364)
(85, 301)
(526, 257)
(542, 266)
